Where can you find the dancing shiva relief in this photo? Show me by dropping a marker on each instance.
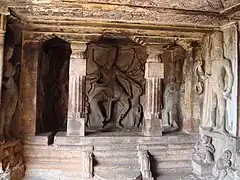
(115, 84)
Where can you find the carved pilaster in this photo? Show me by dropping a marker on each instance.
(153, 73)
(77, 86)
(87, 165)
(145, 164)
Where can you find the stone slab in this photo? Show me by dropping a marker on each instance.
(111, 138)
(41, 139)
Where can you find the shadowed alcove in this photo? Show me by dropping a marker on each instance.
(53, 80)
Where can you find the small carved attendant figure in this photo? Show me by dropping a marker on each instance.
(222, 169)
(220, 88)
(144, 162)
(171, 98)
(200, 74)
(9, 97)
(204, 150)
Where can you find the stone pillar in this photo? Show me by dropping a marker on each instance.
(189, 123)
(154, 72)
(77, 86)
(28, 86)
(188, 119)
(2, 36)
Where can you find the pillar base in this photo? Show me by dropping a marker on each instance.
(152, 127)
(76, 126)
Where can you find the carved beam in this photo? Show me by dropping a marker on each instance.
(231, 10)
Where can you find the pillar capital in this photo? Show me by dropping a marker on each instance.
(3, 13)
(185, 44)
(78, 60)
(154, 52)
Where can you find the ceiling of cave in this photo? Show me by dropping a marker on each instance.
(144, 18)
(210, 12)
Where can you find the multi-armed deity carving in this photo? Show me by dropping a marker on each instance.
(115, 77)
(219, 82)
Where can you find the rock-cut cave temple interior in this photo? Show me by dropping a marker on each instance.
(119, 90)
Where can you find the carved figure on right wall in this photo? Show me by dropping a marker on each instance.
(220, 89)
(9, 97)
(220, 80)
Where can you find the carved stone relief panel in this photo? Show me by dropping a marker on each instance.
(230, 47)
(215, 156)
(219, 110)
(115, 84)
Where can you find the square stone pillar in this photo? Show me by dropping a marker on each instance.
(2, 36)
(77, 95)
(154, 72)
(28, 86)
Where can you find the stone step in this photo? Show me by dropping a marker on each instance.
(173, 164)
(171, 152)
(48, 174)
(116, 147)
(172, 157)
(116, 158)
(157, 154)
(99, 139)
(52, 163)
(133, 175)
(110, 154)
(168, 171)
(51, 152)
(120, 167)
(121, 147)
(157, 165)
